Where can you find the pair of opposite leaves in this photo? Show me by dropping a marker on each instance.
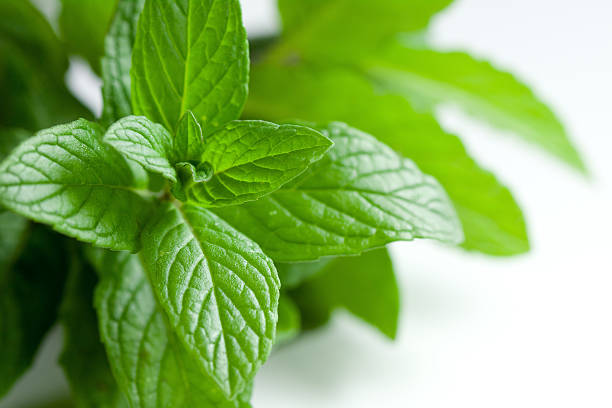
(361, 195)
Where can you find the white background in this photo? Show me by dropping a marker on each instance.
(532, 331)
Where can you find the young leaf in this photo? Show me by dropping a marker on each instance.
(84, 358)
(492, 221)
(365, 285)
(250, 159)
(189, 140)
(190, 55)
(144, 142)
(424, 77)
(289, 324)
(67, 177)
(219, 290)
(117, 61)
(29, 298)
(348, 28)
(152, 367)
(83, 24)
(362, 195)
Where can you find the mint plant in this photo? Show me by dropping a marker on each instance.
(191, 236)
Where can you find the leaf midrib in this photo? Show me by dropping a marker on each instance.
(179, 208)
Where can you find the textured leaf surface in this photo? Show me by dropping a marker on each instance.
(117, 61)
(348, 28)
(361, 196)
(29, 300)
(429, 77)
(84, 358)
(144, 142)
(492, 221)
(250, 159)
(190, 55)
(364, 285)
(151, 366)
(67, 177)
(83, 24)
(219, 290)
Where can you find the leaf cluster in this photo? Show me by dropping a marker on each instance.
(182, 236)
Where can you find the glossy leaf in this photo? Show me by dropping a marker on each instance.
(29, 301)
(144, 142)
(492, 221)
(68, 178)
(428, 77)
(84, 358)
(117, 61)
(190, 55)
(152, 367)
(219, 291)
(362, 195)
(364, 285)
(249, 159)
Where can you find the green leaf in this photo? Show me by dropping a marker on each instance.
(334, 29)
(428, 77)
(67, 177)
(189, 140)
(152, 367)
(144, 142)
(365, 285)
(25, 27)
(12, 235)
(33, 65)
(13, 232)
(84, 358)
(29, 299)
(289, 324)
(362, 195)
(190, 55)
(10, 139)
(83, 24)
(250, 159)
(294, 274)
(219, 291)
(492, 221)
(117, 61)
